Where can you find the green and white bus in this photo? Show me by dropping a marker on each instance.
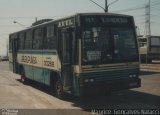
(87, 53)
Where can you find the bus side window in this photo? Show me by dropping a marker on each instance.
(28, 40)
(55, 30)
(38, 39)
(21, 41)
(50, 39)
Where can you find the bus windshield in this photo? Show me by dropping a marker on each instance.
(102, 45)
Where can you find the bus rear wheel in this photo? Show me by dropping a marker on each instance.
(23, 77)
(58, 89)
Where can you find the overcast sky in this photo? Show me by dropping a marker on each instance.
(25, 11)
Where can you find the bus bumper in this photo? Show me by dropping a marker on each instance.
(101, 88)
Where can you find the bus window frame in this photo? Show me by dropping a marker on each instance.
(37, 38)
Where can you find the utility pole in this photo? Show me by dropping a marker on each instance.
(148, 19)
(106, 6)
(148, 24)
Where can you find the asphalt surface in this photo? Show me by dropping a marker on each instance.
(34, 96)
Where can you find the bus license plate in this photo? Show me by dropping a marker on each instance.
(133, 84)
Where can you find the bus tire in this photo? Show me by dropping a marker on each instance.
(58, 88)
(23, 77)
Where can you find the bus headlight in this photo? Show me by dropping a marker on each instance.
(134, 75)
(130, 76)
(91, 80)
(86, 80)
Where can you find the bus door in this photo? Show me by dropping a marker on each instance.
(14, 54)
(66, 56)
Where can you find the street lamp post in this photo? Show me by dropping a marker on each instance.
(106, 6)
(19, 23)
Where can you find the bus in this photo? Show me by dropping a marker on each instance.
(87, 53)
(149, 48)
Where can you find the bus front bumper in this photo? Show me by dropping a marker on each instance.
(100, 88)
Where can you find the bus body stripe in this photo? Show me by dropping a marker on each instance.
(47, 60)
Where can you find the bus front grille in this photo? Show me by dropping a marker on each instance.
(109, 75)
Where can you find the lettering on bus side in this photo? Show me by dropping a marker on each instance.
(65, 23)
(29, 59)
(49, 63)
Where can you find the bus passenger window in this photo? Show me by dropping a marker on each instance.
(50, 39)
(38, 39)
(21, 41)
(28, 40)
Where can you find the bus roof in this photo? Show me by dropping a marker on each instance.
(80, 14)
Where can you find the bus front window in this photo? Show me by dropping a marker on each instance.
(125, 48)
(96, 47)
(101, 45)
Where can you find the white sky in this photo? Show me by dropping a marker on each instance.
(25, 11)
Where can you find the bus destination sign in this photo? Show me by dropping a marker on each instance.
(99, 20)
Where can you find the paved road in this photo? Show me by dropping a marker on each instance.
(151, 66)
(15, 95)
